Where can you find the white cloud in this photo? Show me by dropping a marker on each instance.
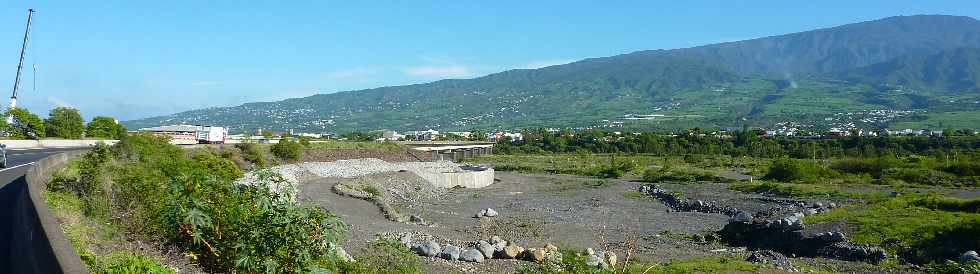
(58, 102)
(545, 63)
(440, 71)
(346, 74)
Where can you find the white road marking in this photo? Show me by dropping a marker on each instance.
(13, 167)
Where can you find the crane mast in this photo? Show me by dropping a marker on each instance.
(20, 64)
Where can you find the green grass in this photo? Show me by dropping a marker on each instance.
(572, 164)
(385, 257)
(915, 226)
(804, 190)
(84, 233)
(558, 185)
(942, 120)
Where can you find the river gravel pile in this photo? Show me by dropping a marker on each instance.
(294, 173)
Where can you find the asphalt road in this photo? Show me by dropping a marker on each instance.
(18, 161)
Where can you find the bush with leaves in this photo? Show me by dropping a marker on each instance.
(26, 125)
(251, 153)
(159, 192)
(287, 149)
(64, 122)
(105, 127)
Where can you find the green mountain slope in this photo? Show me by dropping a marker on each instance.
(952, 71)
(793, 78)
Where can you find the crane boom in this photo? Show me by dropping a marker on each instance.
(20, 64)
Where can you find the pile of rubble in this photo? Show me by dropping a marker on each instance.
(494, 248)
(786, 235)
(677, 203)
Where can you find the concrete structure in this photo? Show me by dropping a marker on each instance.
(470, 177)
(29, 144)
(31, 240)
(456, 152)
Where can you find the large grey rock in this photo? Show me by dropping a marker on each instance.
(429, 248)
(450, 252)
(486, 249)
(416, 219)
(593, 260)
(472, 255)
(742, 217)
(832, 237)
(490, 212)
(494, 240)
(769, 257)
(970, 256)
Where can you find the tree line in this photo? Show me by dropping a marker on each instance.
(742, 143)
(62, 122)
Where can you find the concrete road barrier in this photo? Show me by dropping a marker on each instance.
(31, 240)
(27, 144)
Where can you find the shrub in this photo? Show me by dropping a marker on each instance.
(287, 149)
(788, 170)
(156, 191)
(964, 168)
(873, 166)
(675, 175)
(251, 153)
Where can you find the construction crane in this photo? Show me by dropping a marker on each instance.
(20, 65)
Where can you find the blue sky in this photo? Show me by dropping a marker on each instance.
(134, 59)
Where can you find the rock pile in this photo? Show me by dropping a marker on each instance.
(786, 235)
(772, 258)
(677, 203)
(970, 256)
(494, 248)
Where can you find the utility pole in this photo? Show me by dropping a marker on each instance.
(20, 65)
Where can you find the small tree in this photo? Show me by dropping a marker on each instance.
(287, 149)
(64, 122)
(105, 127)
(26, 125)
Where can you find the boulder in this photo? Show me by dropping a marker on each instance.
(593, 260)
(489, 212)
(429, 249)
(480, 214)
(832, 237)
(810, 212)
(535, 254)
(550, 248)
(494, 240)
(406, 240)
(485, 248)
(450, 252)
(512, 251)
(499, 247)
(344, 256)
(416, 219)
(742, 217)
(970, 256)
(590, 251)
(472, 255)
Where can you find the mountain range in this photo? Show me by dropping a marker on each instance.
(904, 71)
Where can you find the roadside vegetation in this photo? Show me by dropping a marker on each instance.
(145, 188)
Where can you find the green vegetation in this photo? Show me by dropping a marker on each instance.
(252, 153)
(150, 189)
(654, 175)
(919, 227)
(65, 122)
(602, 166)
(287, 149)
(805, 190)
(26, 125)
(386, 146)
(385, 257)
(128, 263)
(104, 127)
